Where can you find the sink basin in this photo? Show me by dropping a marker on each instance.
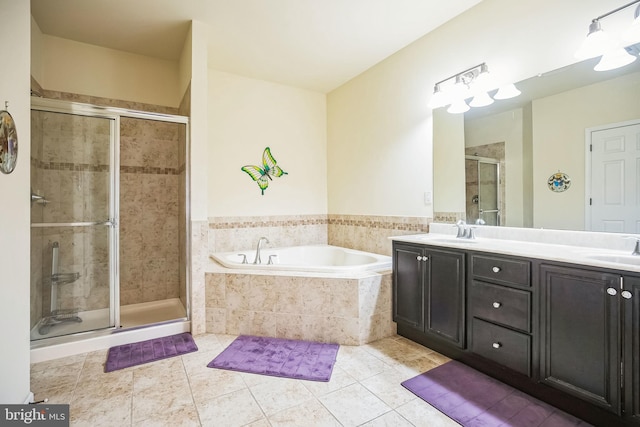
(616, 258)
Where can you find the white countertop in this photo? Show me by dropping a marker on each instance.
(546, 251)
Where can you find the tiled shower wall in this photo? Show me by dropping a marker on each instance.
(362, 232)
(151, 173)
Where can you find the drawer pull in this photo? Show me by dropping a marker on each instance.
(626, 294)
(496, 269)
(496, 345)
(612, 291)
(497, 304)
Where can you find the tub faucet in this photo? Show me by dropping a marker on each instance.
(258, 260)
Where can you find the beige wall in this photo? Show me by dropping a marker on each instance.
(559, 124)
(247, 115)
(448, 128)
(379, 126)
(74, 67)
(14, 216)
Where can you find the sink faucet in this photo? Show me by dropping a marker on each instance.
(258, 260)
(462, 229)
(636, 249)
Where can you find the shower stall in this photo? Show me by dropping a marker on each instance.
(108, 220)
(484, 189)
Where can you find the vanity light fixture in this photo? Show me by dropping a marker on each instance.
(453, 91)
(612, 50)
(507, 91)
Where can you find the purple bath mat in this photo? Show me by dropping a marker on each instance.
(278, 357)
(126, 355)
(475, 399)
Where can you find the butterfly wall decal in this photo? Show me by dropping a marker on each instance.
(268, 170)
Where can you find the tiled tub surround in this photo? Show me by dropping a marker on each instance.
(322, 307)
(362, 232)
(348, 309)
(151, 174)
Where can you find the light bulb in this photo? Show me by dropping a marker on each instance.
(507, 91)
(596, 43)
(613, 59)
(481, 99)
(458, 107)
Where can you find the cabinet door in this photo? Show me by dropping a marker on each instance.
(444, 295)
(580, 334)
(632, 347)
(408, 288)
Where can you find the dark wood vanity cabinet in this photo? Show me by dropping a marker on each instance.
(631, 355)
(499, 311)
(580, 334)
(567, 334)
(428, 291)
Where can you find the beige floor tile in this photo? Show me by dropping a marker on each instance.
(390, 419)
(359, 363)
(185, 416)
(213, 383)
(339, 379)
(354, 405)
(311, 412)
(56, 376)
(234, 409)
(182, 391)
(386, 386)
(162, 397)
(115, 411)
(278, 394)
(421, 414)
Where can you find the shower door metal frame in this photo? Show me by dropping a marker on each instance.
(114, 114)
(496, 162)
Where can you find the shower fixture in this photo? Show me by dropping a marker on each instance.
(36, 198)
(57, 315)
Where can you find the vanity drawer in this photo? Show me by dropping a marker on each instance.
(500, 304)
(501, 270)
(504, 346)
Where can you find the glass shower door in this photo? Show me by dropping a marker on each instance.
(488, 192)
(73, 223)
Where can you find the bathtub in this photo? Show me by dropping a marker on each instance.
(312, 258)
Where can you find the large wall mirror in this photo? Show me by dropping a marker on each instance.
(513, 148)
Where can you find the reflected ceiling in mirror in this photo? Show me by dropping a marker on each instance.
(556, 81)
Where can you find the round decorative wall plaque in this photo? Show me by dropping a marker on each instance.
(559, 182)
(8, 143)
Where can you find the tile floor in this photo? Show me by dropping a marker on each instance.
(364, 390)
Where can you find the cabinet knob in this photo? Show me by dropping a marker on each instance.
(422, 258)
(497, 304)
(496, 345)
(496, 269)
(626, 294)
(612, 291)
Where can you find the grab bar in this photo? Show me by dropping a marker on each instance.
(71, 224)
(64, 278)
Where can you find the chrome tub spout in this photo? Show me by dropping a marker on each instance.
(257, 260)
